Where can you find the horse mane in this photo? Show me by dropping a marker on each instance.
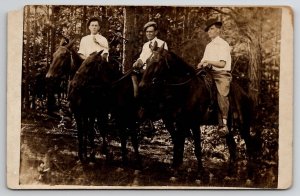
(179, 65)
(77, 61)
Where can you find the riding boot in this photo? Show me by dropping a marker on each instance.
(135, 85)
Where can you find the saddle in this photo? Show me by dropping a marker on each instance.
(210, 85)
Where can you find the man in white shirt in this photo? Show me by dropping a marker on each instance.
(217, 55)
(93, 42)
(151, 31)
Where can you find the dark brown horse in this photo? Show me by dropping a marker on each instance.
(65, 61)
(178, 94)
(96, 89)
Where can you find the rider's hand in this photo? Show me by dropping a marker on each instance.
(199, 65)
(95, 40)
(138, 64)
(205, 63)
(202, 64)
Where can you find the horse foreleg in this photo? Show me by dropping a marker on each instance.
(103, 127)
(197, 148)
(85, 130)
(91, 136)
(252, 149)
(232, 151)
(179, 148)
(135, 144)
(123, 138)
(171, 129)
(80, 137)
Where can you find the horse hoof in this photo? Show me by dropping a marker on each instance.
(249, 183)
(198, 182)
(137, 172)
(135, 182)
(119, 169)
(173, 179)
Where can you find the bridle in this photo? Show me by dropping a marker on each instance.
(199, 72)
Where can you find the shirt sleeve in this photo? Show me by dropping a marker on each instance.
(105, 46)
(82, 49)
(143, 55)
(224, 52)
(166, 46)
(204, 55)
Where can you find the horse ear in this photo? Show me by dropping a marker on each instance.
(70, 43)
(100, 52)
(155, 45)
(62, 42)
(161, 48)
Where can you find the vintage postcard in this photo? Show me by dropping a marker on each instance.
(150, 97)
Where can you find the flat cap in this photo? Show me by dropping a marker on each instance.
(212, 22)
(149, 24)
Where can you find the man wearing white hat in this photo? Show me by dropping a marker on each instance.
(217, 56)
(151, 31)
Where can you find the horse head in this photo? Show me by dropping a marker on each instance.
(157, 67)
(61, 63)
(92, 72)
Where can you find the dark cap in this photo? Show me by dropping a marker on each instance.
(91, 20)
(212, 22)
(149, 24)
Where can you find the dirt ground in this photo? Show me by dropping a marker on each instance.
(49, 156)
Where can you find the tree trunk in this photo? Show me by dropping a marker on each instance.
(50, 94)
(254, 72)
(129, 34)
(83, 27)
(27, 53)
(34, 56)
(48, 55)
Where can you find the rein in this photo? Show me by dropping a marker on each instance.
(188, 80)
(115, 83)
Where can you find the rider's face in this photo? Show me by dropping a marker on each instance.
(94, 27)
(151, 33)
(213, 32)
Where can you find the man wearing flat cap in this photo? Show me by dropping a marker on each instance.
(94, 42)
(217, 56)
(150, 28)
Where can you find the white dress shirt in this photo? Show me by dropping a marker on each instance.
(88, 46)
(218, 50)
(147, 52)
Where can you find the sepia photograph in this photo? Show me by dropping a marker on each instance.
(153, 97)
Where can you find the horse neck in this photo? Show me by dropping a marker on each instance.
(76, 61)
(178, 67)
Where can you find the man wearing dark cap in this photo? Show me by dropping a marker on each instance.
(217, 56)
(94, 42)
(151, 31)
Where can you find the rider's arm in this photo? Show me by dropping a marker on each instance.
(82, 49)
(218, 64)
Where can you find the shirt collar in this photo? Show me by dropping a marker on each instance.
(153, 40)
(215, 39)
(95, 34)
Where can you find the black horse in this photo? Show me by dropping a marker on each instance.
(177, 92)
